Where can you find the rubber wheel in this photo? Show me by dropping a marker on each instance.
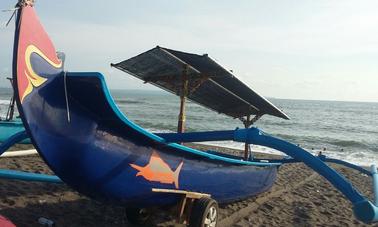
(204, 213)
(138, 216)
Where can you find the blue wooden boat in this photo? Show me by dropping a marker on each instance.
(73, 130)
(85, 139)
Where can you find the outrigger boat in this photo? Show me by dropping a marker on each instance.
(80, 133)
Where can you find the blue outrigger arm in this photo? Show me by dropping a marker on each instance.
(26, 176)
(16, 138)
(364, 210)
(20, 175)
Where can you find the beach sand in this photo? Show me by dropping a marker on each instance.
(299, 197)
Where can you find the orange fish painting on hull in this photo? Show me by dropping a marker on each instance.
(159, 171)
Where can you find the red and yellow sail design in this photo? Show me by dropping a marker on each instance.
(34, 47)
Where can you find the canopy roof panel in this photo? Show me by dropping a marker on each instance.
(210, 85)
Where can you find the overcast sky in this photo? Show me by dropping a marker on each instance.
(323, 49)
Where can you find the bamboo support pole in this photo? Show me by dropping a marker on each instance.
(246, 145)
(183, 96)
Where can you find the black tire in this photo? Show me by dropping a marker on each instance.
(138, 216)
(204, 213)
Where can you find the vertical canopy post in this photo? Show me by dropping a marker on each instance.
(247, 123)
(183, 95)
(12, 102)
(246, 145)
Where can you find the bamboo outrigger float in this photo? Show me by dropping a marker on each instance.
(84, 138)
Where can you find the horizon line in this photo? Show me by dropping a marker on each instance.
(268, 97)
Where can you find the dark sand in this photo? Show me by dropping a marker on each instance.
(299, 197)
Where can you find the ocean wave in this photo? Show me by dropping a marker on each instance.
(358, 158)
(320, 142)
(350, 143)
(4, 102)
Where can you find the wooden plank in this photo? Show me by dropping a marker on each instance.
(181, 211)
(188, 194)
(18, 153)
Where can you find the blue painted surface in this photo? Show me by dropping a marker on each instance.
(16, 138)
(375, 183)
(366, 211)
(25, 176)
(9, 128)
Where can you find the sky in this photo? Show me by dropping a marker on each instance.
(322, 50)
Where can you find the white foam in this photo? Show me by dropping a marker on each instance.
(4, 102)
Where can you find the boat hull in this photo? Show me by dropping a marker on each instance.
(95, 151)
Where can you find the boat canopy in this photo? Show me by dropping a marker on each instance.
(201, 79)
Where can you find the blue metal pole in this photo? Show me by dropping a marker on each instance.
(25, 176)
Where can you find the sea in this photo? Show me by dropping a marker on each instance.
(344, 130)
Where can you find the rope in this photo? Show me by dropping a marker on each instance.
(13, 14)
(66, 96)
